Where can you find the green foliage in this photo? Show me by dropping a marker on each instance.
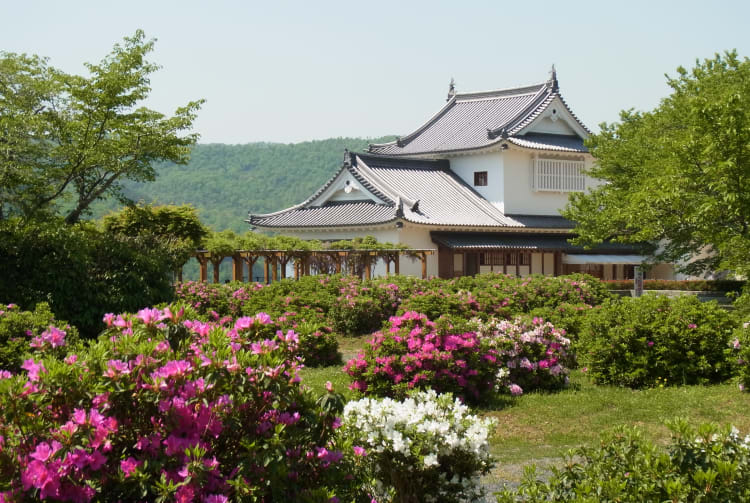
(707, 464)
(672, 173)
(699, 285)
(176, 227)
(75, 138)
(80, 271)
(647, 341)
(19, 328)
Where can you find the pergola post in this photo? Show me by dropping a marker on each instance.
(306, 264)
(203, 263)
(178, 273)
(237, 268)
(423, 256)
(250, 259)
(368, 268)
(266, 269)
(274, 269)
(350, 262)
(283, 261)
(216, 263)
(396, 263)
(338, 262)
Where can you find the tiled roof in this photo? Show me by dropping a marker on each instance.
(476, 120)
(418, 191)
(441, 197)
(543, 221)
(505, 241)
(331, 214)
(539, 141)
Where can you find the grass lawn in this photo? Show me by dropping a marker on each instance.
(539, 427)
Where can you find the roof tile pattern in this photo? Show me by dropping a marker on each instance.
(554, 142)
(349, 214)
(418, 191)
(476, 120)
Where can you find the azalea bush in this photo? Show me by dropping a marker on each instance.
(708, 464)
(166, 409)
(532, 356)
(24, 331)
(438, 302)
(361, 307)
(223, 299)
(565, 316)
(427, 447)
(412, 352)
(640, 342)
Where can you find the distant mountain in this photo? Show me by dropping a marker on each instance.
(225, 182)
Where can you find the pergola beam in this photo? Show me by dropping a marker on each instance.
(278, 259)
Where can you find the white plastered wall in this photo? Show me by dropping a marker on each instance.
(492, 163)
(418, 237)
(519, 196)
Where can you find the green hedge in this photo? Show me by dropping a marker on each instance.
(697, 285)
(653, 340)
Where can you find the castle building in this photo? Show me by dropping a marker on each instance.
(482, 182)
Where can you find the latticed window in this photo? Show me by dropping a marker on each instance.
(480, 178)
(558, 175)
(491, 258)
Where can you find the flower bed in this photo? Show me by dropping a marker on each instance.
(163, 408)
(412, 352)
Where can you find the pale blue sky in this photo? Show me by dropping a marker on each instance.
(295, 71)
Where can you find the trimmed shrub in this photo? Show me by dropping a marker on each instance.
(23, 331)
(425, 448)
(436, 303)
(80, 271)
(640, 342)
(533, 356)
(410, 352)
(693, 285)
(160, 409)
(707, 464)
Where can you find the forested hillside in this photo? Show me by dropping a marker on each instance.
(226, 181)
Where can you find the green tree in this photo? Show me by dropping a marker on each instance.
(679, 174)
(74, 139)
(177, 228)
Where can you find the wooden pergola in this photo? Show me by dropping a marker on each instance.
(276, 261)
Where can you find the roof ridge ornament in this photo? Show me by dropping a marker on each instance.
(552, 82)
(347, 158)
(451, 90)
(494, 133)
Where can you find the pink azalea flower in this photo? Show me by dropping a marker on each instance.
(359, 451)
(128, 466)
(515, 390)
(33, 369)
